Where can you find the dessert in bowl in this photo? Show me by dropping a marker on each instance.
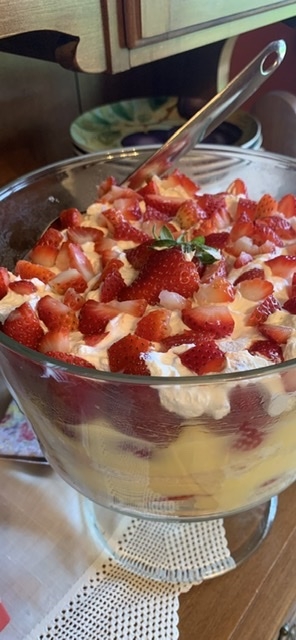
(150, 341)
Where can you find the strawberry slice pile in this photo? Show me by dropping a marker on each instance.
(161, 270)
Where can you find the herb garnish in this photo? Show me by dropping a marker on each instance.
(207, 255)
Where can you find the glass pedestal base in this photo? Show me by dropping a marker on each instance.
(180, 552)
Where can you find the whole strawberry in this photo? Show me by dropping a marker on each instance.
(166, 269)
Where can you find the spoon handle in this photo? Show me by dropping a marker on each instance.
(212, 114)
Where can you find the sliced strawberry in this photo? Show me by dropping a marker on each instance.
(106, 185)
(70, 358)
(293, 286)
(111, 286)
(242, 259)
(237, 187)
(166, 204)
(80, 235)
(243, 226)
(127, 355)
(95, 338)
(217, 290)
(263, 311)
(22, 287)
(134, 308)
(44, 254)
(79, 260)
(172, 300)
(70, 218)
(255, 289)
(246, 206)
(276, 332)
(279, 225)
(55, 314)
(73, 299)
(189, 214)
(27, 270)
(138, 413)
(290, 305)
(217, 240)
(168, 270)
(154, 326)
(268, 349)
(216, 319)
(213, 204)
(282, 266)
(266, 206)
(23, 325)
(248, 419)
(154, 215)
(204, 358)
(217, 269)
(264, 232)
(178, 179)
(287, 205)
(55, 340)
(70, 278)
(129, 207)
(51, 237)
(63, 257)
(185, 337)
(137, 256)
(255, 272)
(94, 317)
(122, 229)
(4, 282)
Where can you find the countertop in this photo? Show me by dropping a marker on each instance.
(254, 600)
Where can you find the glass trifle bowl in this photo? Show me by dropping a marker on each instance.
(167, 450)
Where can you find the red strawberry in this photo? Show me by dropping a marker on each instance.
(79, 260)
(189, 214)
(80, 235)
(212, 204)
(166, 204)
(217, 240)
(266, 206)
(217, 269)
(248, 418)
(178, 179)
(134, 308)
(216, 319)
(94, 317)
(122, 229)
(204, 358)
(265, 233)
(27, 270)
(127, 355)
(23, 325)
(106, 185)
(138, 413)
(290, 305)
(237, 188)
(268, 349)
(167, 269)
(70, 278)
(4, 282)
(55, 340)
(95, 338)
(255, 272)
(137, 256)
(278, 333)
(70, 359)
(245, 205)
(243, 226)
(282, 266)
(55, 314)
(287, 205)
(154, 215)
(293, 286)
(154, 326)
(22, 287)
(51, 237)
(263, 311)
(73, 299)
(279, 225)
(255, 289)
(218, 290)
(242, 259)
(70, 218)
(185, 337)
(44, 254)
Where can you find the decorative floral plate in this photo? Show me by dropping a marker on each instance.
(146, 121)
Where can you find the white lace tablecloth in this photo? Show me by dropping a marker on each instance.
(57, 583)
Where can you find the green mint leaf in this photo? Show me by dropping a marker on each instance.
(165, 240)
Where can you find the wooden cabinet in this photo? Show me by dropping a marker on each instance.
(116, 35)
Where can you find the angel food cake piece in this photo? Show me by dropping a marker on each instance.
(170, 281)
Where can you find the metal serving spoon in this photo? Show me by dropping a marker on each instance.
(212, 114)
